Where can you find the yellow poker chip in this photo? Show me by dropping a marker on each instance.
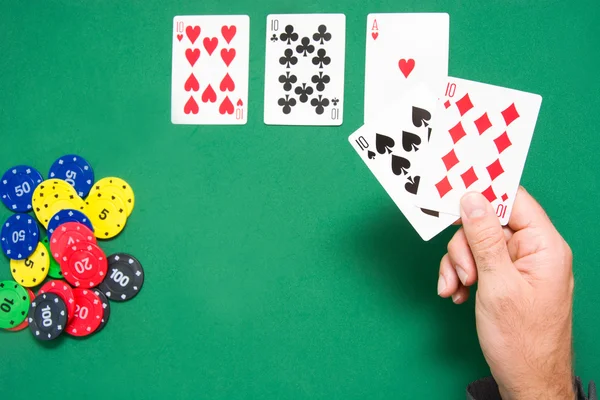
(107, 213)
(33, 270)
(52, 196)
(117, 186)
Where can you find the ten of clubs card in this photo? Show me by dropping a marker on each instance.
(210, 69)
(304, 69)
(403, 49)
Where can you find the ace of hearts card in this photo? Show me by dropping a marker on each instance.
(401, 50)
(209, 83)
(304, 69)
(481, 137)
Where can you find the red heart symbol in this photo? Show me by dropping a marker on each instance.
(192, 33)
(209, 95)
(226, 106)
(228, 56)
(191, 84)
(228, 32)
(210, 44)
(375, 35)
(406, 66)
(179, 37)
(227, 84)
(240, 102)
(191, 106)
(192, 55)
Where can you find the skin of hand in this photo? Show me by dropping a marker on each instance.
(524, 297)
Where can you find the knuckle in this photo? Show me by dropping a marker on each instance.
(488, 246)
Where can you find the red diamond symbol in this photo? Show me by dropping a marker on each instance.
(504, 197)
(447, 104)
(450, 160)
(510, 114)
(502, 142)
(457, 132)
(443, 187)
(469, 177)
(464, 104)
(495, 169)
(483, 123)
(489, 194)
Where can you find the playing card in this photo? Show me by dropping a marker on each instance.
(392, 146)
(210, 69)
(304, 69)
(403, 49)
(481, 136)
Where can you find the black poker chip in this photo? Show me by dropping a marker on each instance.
(105, 306)
(124, 278)
(47, 316)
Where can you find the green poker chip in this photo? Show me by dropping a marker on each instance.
(54, 270)
(14, 304)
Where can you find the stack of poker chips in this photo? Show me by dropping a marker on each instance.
(75, 212)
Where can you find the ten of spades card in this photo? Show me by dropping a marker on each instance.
(391, 147)
(304, 69)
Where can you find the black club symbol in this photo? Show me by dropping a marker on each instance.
(289, 35)
(321, 80)
(305, 48)
(304, 91)
(274, 38)
(288, 58)
(287, 81)
(335, 101)
(321, 58)
(287, 103)
(322, 35)
(319, 104)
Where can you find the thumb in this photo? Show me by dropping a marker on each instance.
(485, 236)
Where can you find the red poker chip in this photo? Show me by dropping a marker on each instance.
(62, 290)
(69, 234)
(89, 313)
(25, 323)
(84, 265)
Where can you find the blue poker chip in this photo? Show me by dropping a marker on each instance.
(64, 216)
(76, 171)
(17, 186)
(20, 236)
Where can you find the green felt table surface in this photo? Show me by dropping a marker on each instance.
(276, 265)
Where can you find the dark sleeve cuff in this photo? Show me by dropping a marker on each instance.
(487, 389)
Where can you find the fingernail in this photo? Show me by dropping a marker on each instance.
(441, 284)
(456, 297)
(462, 274)
(474, 205)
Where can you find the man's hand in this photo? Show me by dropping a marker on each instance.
(524, 297)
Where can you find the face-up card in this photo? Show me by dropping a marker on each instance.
(209, 84)
(392, 146)
(304, 69)
(403, 49)
(480, 141)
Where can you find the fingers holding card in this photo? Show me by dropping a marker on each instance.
(304, 69)
(209, 83)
